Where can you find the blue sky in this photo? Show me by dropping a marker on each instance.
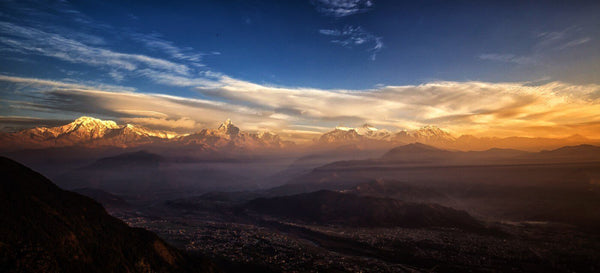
(206, 50)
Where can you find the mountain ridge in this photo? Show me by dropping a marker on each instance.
(95, 133)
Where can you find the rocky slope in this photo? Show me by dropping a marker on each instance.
(46, 229)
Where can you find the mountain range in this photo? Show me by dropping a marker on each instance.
(93, 132)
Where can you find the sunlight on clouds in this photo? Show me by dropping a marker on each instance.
(183, 123)
(479, 108)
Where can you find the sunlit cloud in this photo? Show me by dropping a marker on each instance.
(37, 98)
(480, 108)
(164, 123)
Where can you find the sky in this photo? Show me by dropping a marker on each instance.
(300, 68)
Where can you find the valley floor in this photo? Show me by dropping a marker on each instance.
(268, 244)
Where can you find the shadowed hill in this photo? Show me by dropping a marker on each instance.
(389, 188)
(46, 229)
(329, 207)
(130, 160)
(417, 153)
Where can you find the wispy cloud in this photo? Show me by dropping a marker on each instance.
(560, 40)
(57, 30)
(574, 43)
(507, 58)
(352, 36)
(182, 69)
(341, 8)
(42, 83)
(544, 44)
(157, 43)
(28, 40)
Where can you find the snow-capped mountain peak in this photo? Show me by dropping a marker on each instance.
(348, 134)
(425, 134)
(86, 131)
(228, 128)
(84, 128)
(90, 122)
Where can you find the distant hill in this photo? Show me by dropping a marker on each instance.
(579, 152)
(330, 207)
(417, 153)
(46, 229)
(143, 173)
(133, 159)
(135, 171)
(388, 188)
(559, 185)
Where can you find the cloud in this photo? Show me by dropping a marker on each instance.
(41, 83)
(507, 58)
(464, 107)
(574, 43)
(57, 30)
(560, 40)
(164, 123)
(28, 40)
(16, 123)
(31, 41)
(479, 108)
(41, 98)
(352, 36)
(155, 42)
(342, 8)
(545, 44)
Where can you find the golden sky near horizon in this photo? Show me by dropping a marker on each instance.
(553, 109)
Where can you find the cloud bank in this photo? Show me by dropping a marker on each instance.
(554, 109)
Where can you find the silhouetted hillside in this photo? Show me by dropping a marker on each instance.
(329, 207)
(572, 153)
(46, 229)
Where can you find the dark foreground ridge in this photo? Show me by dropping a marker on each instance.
(46, 229)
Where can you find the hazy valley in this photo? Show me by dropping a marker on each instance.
(354, 199)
